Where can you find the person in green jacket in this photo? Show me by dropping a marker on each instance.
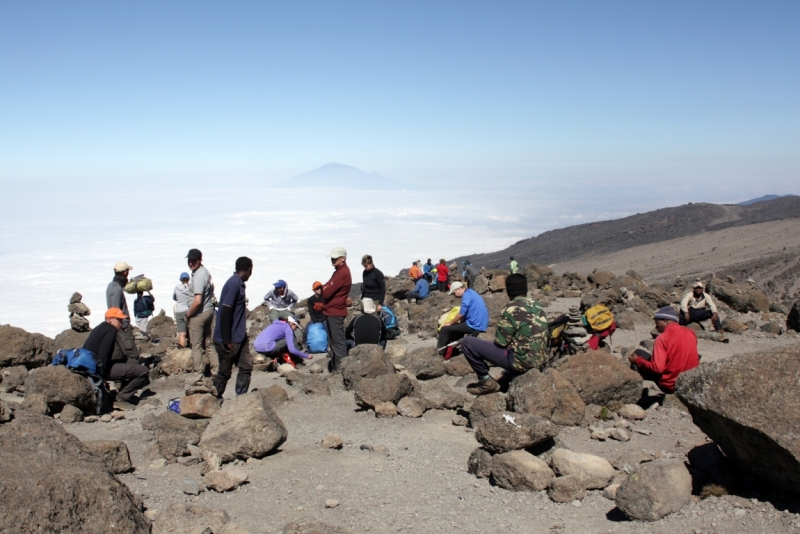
(513, 266)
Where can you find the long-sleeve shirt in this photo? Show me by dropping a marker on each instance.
(281, 302)
(336, 291)
(674, 352)
(101, 344)
(115, 297)
(704, 301)
(315, 306)
(366, 329)
(442, 272)
(414, 272)
(374, 285)
(265, 342)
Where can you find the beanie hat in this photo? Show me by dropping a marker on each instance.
(668, 313)
(516, 286)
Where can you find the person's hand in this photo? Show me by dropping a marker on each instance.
(310, 356)
(632, 358)
(378, 307)
(348, 301)
(229, 346)
(687, 317)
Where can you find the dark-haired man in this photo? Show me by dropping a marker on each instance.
(125, 347)
(200, 315)
(230, 332)
(335, 301)
(519, 341)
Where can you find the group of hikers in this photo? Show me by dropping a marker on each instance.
(521, 341)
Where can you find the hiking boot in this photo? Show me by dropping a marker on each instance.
(484, 387)
(122, 404)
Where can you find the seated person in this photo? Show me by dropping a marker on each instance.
(472, 318)
(674, 352)
(129, 372)
(277, 342)
(314, 305)
(698, 306)
(367, 328)
(421, 291)
(519, 342)
(414, 272)
(280, 301)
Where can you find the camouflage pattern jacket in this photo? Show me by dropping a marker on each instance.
(522, 328)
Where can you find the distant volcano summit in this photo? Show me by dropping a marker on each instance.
(343, 176)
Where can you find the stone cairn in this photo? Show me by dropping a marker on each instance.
(78, 312)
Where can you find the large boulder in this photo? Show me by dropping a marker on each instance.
(425, 364)
(176, 361)
(365, 361)
(506, 431)
(69, 339)
(18, 347)
(370, 392)
(182, 518)
(13, 378)
(601, 278)
(520, 471)
(601, 378)
(485, 406)
(162, 327)
(547, 394)
(49, 482)
(199, 406)
(113, 452)
(739, 298)
(173, 434)
(245, 427)
(749, 405)
(438, 395)
(655, 489)
(60, 386)
(593, 471)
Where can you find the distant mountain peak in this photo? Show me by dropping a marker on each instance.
(339, 175)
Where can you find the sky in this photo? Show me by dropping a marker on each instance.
(133, 131)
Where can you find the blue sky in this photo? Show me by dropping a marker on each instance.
(519, 93)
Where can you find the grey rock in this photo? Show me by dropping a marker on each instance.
(411, 407)
(13, 378)
(182, 518)
(480, 463)
(60, 386)
(654, 490)
(565, 489)
(601, 378)
(114, 454)
(174, 432)
(365, 361)
(23, 348)
(189, 486)
(520, 471)
(71, 414)
(497, 434)
(485, 406)
(384, 388)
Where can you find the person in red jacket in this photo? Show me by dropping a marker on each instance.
(442, 274)
(335, 301)
(674, 352)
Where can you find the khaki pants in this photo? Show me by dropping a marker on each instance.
(200, 336)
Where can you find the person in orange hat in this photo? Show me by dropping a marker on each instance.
(101, 342)
(314, 305)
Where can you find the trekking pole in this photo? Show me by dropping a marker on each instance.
(453, 344)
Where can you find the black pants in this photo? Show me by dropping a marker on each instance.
(239, 355)
(480, 351)
(442, 286)
(336, 343)
(131, 374)
(414, 295)
(698, 316)
(452, 333)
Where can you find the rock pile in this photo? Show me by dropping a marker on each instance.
(78, 311)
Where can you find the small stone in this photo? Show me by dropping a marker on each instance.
(158, 464)
(610, 492)
(106, 418)
(71, 414)
(633, 412)
(332, 441)
(188, 460)
(566, 489)
(576, 503)
(189, 486)
(642, 431)
(383, 449)
(284, 369)
(225, 480)
(411, 407)
(117, 415)
(91, 419)
(460, 420)
(315, 369)
(619, 434)
(213, 461)
(600, 435)
(331, 503)
(151, 514)
(385, 409)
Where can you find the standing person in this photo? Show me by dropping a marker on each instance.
(200, 315)
(442, 274)
(472, 318)
(143, 308)
(335, 303)
(513, 266)
(276, 342)
(280, 301)
(698, 306)
(183, 297)
(470, 274)
(414, 272)
(125, 347)
(101, 342)
(426, 270)
(230, 331)
(374, 283)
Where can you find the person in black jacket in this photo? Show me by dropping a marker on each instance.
(367, 328)
(314, 305)
(374, 286)
(132, 375)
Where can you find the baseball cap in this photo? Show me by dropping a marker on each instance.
(121, 267)
(115, 313)
(184, 275)
(454, 286)
(194, 255)
(291, 319)
(279, 283)
(316, 284)
(668, 313)
(699, 284)
(338, 252)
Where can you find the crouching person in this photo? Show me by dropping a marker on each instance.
(230, 332)
(519, 342)
(129, 372)
(674, 352)
(276, 342)
(367, 328)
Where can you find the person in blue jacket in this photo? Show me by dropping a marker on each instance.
(472, 318)
(421, 291)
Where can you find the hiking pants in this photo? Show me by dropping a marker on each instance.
(275, 315)
(131, 374)
(480, 351)
(442, 286)
(336, 342)
(239, 355)
(279, 350)
(200, 338)
(452, 333)
(698, 316)
(414, 295)
(141, 324)
(125, 346)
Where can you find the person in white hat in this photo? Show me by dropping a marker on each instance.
(698, 306)
(115, 298)
(472, 318)
(367, 328)
(335, 301)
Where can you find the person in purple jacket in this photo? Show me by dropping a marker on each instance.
(278, 339)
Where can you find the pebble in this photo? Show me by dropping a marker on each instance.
(642, 431)
(331, 503)
(460, 420)
(158, 464)
(189, 486)
(91, 419)
(119, 414)
(106, 418)
(576, 503)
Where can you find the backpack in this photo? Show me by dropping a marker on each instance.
(139, 284)
(81, 360)
(316, 338)
(144, 306)
(599, 318)
(389, 318)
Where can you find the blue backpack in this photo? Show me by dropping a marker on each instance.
(317, 338)
(389, 318)
(76, 360)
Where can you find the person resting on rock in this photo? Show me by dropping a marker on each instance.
(367, 328)
(697, 306)
(277, 342)
(519, 343)
(129, 372)
(472, 318)
(280, 301)
(421, 291)
(674, 352)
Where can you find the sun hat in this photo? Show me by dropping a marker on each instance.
(454, 286)
(338, 252)
(121, 267)
(369, 305)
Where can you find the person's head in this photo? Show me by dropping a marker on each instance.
(664, 317)
(139, 294)
(516, 286)
(429, 260)
(317, 288)
(457, 289)
(195, 259)
(414, 264)
(442, 260)
(698, 288)
(115, 316)
(280, 287)
(244, 267)
(185, 278)
(367, 263)
(338, 256)
(293, 322)
(512, 258)
(122, 269)
(368, 305)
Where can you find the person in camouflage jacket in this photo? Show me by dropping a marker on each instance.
(520, 341)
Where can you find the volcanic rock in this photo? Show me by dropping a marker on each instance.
(225, 479)
(480, 463)
(739, 298)
(425, 364)
(438, 395)
(655, 489)
(594, 472)
(385, 409)
(177, 361)
(13, 378)
(520, 471)
(174, 432)
(202, 406)
(365, 361)
(274, 395)
(182, 518)
(411, 407)
(162, 327)
(506, 431)
(18, 347)
(385, 388)
(113, 453)
(568, 488)
(60, 386)
(601, 378)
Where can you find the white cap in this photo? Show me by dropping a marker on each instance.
(121, 267)
(368, 304)
(338, 252)
(454, 286)
(291, 319)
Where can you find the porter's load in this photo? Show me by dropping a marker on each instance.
(139, 284)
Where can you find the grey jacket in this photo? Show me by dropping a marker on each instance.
(115, 297)
(277, 302)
